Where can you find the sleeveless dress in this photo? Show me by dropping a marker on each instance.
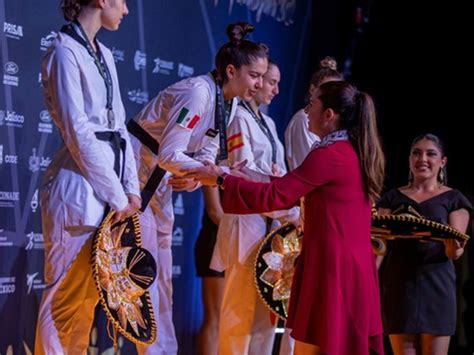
(419, 290)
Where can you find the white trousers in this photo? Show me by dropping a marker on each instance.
(246, 325)
(157, 232)
(67, 308)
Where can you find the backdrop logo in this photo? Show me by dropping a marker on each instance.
(11, 118)
(45, 126)
(7, 158)
(9, 75)
(36, 163)
(9, 198)
(138, 96)
(139, 60)
(34, 201)
(179, 205)
(7, 285)
(4, 239)
(12, 30)
(34, 284)
(35, 241)
(178, 237)
(118, 54)
(176, 270)
(163, 66)
(185, 70)
(48, 40)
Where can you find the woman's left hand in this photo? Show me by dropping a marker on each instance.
(206, 174)
(453, 248)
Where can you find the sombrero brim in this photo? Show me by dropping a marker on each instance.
(405, 226)
(144, 328)
(274, 267)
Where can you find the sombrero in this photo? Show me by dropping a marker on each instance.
(123, 271)
(275, 266)
(407, 223)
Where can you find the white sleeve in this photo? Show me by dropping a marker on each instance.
(188, 109)
(65, 93)
(298, 140)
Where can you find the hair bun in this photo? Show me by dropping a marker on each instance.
(237, 31)
(328, 62)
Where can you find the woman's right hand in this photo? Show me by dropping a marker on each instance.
(124, 213)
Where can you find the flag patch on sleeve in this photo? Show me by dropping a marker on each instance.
(234, 142)
(187, 120)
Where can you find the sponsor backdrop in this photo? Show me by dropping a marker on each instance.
(159, 43)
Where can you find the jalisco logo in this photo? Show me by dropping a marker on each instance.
(9, 76)
(185, 70)
(35, 241)
(11, 118)
(47, 40)
(36, 163)
(12, 30)
(139, 60)
(163, 66)
(7, 285)
(176, 270)
(138, 96)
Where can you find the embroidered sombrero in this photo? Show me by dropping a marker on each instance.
(275, 266)
(123, 271)
(405, 222)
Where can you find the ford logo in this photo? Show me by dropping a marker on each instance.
(11, 68)
(45, 116)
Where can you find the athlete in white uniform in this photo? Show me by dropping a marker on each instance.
(298, 138)
(182, 119)
(82, 95)
(246, 324)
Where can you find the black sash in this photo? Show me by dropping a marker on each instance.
(118, 144)
(158, 173)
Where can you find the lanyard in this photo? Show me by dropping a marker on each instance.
(221, 117)
(263, 126)
(99, 61)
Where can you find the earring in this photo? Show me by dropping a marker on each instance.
(441, 176)
(410, 176)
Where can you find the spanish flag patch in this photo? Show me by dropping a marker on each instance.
(187, 120)
(234, 142)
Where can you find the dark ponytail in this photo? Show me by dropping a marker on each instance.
(357, 115)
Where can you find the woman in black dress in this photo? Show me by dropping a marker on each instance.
(419, 291)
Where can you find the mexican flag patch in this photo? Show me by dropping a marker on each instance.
(234, 142)
(186, 120)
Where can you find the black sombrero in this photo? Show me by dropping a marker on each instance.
(275, 266)
(407, 223)
(123, 271)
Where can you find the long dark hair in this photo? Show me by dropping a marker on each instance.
(238, 51)
(72, 8)
(357, 115)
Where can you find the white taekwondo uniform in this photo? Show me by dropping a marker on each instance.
(78, 184)
(298, 139)
(245, 325)
(181, 120)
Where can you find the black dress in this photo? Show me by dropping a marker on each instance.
(419, 290)
(204, 248)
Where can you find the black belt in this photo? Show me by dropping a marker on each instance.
(118, 144)
(157, 175)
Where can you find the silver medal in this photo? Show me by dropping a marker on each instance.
(111, 119)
